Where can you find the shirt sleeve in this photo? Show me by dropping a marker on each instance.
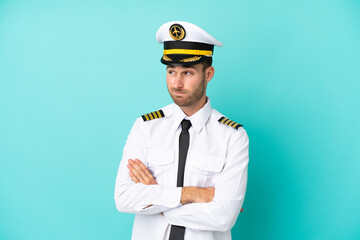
(230, 188)
(139, 198)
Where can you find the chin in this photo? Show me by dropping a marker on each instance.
(180, 102)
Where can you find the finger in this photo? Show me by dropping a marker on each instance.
(150, 177)
(136, 173)
(131, 174)
(145, 169)
(141, 171)
(133, 177)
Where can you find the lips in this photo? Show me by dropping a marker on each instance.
(179, 92)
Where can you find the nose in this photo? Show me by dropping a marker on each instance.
(178, 81)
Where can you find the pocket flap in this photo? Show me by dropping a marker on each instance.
(160, 156)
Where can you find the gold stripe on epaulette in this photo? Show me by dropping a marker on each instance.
(153, 115)
(230, 123)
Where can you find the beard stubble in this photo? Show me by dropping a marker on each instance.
(188, 100)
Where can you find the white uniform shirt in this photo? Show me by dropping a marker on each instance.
(217, 156)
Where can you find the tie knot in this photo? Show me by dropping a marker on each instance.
(185, 124)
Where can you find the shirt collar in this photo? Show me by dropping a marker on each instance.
(197, 120)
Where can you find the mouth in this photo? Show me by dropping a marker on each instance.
(179, 93)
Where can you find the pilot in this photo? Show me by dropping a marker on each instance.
(184, 167)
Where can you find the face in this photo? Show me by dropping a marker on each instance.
(187, 84)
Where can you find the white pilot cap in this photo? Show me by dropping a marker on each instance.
(193, 34)
(185, 43)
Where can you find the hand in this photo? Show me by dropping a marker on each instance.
(139, 173)
(197, 195)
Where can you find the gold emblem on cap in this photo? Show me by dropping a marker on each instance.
(191, 59)
(177, 32)
(166, 58)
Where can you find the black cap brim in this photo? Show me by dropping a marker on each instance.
(182, 59)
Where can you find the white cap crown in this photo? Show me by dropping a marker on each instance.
(193, 34)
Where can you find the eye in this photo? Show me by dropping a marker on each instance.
(170, 71)
(188, 73)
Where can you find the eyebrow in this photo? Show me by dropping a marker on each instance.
(171, 66)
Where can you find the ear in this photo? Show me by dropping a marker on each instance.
(209, 73)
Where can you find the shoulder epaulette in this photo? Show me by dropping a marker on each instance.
(227, 121)
(153, 115)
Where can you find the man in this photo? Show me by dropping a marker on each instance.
(184, 167)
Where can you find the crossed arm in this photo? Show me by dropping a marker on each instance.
(208, 209)
(140, 174)
(199, 210)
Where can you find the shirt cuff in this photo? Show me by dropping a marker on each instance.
(164, 198)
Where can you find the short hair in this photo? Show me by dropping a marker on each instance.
(207, 63)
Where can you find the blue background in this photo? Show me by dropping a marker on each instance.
(74, 75)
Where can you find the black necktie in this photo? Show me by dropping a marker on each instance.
(177, 232)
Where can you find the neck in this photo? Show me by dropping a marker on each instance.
(190, 110)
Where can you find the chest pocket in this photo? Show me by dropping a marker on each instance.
(202, 169)
(161, 162)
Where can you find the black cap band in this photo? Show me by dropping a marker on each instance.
(188, 45)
